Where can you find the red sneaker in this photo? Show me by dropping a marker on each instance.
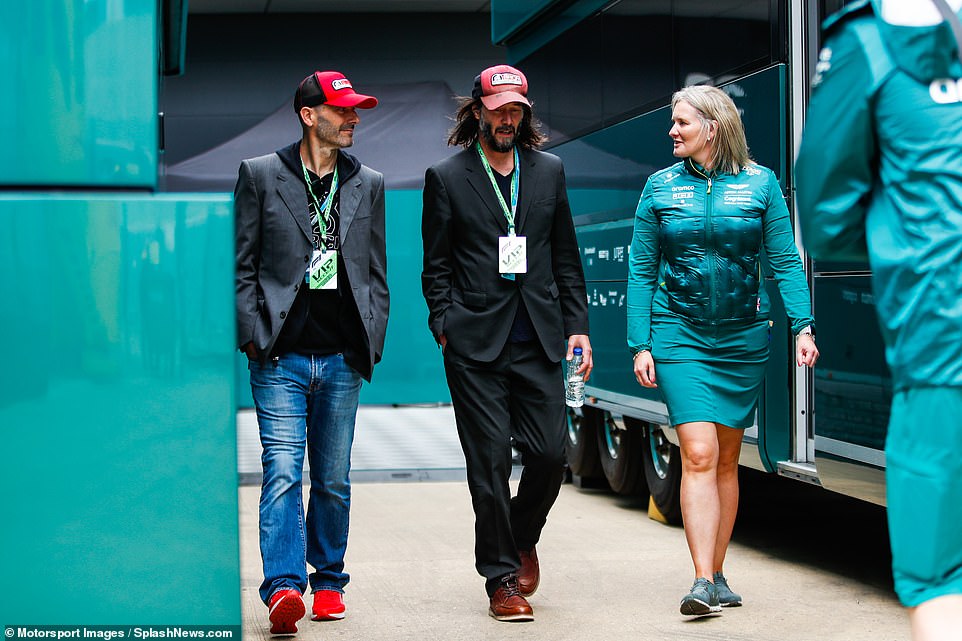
(286, 608)
(328, 606)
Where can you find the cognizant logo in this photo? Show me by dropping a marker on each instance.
(946, 90)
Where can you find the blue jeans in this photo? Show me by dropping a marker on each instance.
(305, 401)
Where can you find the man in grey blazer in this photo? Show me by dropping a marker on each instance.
(312, 309)
(504, 287)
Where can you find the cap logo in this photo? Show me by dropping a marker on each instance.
(341, 83)
(506, 79)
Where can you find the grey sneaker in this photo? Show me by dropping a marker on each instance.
(702, 599)
(726, 598)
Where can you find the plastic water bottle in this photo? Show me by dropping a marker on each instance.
(575, 388)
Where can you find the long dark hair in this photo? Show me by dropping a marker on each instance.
(467, 128)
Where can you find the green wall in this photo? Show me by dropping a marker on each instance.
(510, 20)
(117, 411)
(79, 99)
(411, 370)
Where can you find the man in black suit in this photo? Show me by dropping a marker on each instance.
(312, 308)
(504, 287)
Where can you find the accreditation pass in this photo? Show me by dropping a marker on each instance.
(323, 271)
(512, 254)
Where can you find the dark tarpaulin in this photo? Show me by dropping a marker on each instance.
(404, 135)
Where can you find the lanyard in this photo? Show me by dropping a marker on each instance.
(321, 210)
(515, 180)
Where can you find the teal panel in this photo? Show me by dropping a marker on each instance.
(604, 252)
(612, 361)
(604, 256)
(79, 103)
(762, 98)
(629, 151)
(604, 203)
(174, 37)
(242, 382)
(508, 17)
(853, 383)
(411, 370)
(622, 156)
(775, 403)
(117, 411)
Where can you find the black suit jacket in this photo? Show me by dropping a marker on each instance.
(468, 300)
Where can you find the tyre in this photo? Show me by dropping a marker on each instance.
(620, 451)
(662, 462)
(581, 443)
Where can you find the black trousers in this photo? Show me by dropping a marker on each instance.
(517, 399)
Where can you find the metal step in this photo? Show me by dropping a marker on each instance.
(799, 471)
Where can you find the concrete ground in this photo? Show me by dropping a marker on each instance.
(608, 573)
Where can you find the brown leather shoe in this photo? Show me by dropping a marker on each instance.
(507, 604)
(529, 575)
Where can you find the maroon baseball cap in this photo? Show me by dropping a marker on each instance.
(330, 88)
(497, 86)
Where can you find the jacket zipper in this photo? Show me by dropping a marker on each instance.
(709, 251)
(710, 248)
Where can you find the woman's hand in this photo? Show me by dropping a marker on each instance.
(645, 369)
(806, 353)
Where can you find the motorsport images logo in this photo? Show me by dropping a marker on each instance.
(113, 632)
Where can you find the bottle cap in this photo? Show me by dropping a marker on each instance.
(578, 351)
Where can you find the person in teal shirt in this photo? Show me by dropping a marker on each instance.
(879, 177)
(698, 316)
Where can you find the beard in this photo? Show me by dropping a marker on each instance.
(330, 134)
(488, 134)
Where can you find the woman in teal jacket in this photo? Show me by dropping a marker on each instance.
(879, 176)
(698, 317)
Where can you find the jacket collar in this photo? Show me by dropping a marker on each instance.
(698, 171)
(293, 190)
(347, 165)
(528, 184)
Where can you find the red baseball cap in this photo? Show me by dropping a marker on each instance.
(330, 88)
(497, 86)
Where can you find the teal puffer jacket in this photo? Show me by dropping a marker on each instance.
(879, 175)
(695, 251)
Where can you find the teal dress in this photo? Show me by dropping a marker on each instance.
(709, 372)
(695, 298)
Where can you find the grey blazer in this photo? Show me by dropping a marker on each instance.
(273, 247)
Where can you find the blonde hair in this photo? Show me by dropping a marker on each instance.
(730, 149)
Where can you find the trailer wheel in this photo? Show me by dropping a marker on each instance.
(620, 449)
(662, 461)
(581, 444)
